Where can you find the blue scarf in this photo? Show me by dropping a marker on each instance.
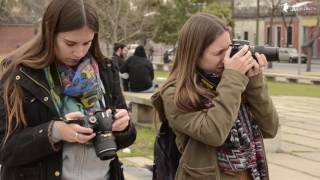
(80, 86)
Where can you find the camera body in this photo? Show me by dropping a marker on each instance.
(271, 53)
(104, 141)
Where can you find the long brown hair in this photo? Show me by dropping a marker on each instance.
(38, 53)
(199, 31)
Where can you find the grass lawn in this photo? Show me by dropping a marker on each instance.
(143, 145)
(289, 89)
(162, 74)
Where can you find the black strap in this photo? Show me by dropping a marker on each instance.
(107, 76)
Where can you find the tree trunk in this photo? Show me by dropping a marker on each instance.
(232, 14)
(271, 35)
(257, 22)
(314, 37)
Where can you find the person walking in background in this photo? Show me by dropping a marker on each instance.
(150, 54)
(120, 52)
(140, 71)
(47, 85)
(217, 105)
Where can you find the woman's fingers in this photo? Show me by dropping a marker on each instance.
(83, 138)
(81, 129)
(242, 52)
(121, 120)
(74, 115)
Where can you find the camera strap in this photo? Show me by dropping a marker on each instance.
(107, 76)
(211, 81)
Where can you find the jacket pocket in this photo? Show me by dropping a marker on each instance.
(28, 173)
(203, 173)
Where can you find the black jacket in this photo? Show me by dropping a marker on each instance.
(140, 72)
(28, 153)
(119, 61)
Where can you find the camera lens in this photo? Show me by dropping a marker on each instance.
(271, 53)
(105, 146)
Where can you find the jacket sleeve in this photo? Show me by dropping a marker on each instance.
(209, 126)
(128, 136)
(25, 145)
(261, 106)
(124, 67)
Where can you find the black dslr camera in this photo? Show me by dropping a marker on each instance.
(101, 123)
(271, 53)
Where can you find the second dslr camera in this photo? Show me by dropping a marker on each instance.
(101, 123)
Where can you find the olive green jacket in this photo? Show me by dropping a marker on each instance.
(198, 133)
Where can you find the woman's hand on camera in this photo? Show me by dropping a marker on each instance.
(74, 132)
(242, 61)
(258, 65)
(121, 120)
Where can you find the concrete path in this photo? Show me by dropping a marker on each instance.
(299, 158)
(299, 154)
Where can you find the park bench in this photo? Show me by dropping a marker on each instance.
(141, 107)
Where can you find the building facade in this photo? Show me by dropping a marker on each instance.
(13, 36)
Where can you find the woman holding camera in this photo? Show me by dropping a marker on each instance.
(218, 106)
(58, 76)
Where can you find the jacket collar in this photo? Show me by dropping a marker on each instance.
(35, 82)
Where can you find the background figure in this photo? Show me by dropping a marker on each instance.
(140, 71)
(218, 107)
(49, 86)
(166, 57)
(120, 52)
(150, 54)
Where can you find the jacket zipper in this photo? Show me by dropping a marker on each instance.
(35, 81)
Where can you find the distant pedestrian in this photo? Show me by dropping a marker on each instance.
(150, 55)
(140, 71)
(120, 52)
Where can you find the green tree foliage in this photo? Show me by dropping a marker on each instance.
(172, 16)
(221, 10)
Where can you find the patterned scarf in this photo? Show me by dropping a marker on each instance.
(243, 148)
(80, 83)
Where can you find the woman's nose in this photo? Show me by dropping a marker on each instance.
(79, 52)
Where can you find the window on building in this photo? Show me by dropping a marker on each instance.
(268, 36)
(289, 36)
(278, 36)
(246, 35)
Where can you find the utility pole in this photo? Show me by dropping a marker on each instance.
(257, 22)
(232, 14)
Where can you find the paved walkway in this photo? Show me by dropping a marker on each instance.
(299, 155)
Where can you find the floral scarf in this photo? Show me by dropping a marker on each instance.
(81, 83)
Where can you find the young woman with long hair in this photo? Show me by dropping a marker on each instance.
(217, 105)
(57, 78)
